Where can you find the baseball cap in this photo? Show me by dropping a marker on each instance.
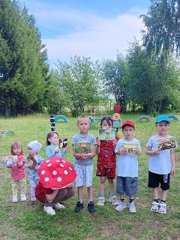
(128, 123)
(162, 118)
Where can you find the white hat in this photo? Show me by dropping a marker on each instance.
(35, 146)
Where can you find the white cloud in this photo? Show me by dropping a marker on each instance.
(100, 40)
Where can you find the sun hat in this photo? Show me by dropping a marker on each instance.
(128, 123)
(162, 118)
(56, 173)
(35, 146)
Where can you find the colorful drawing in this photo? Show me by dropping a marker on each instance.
(63, 142)
(107, 134)
(167, 143)
(82, 147)
(130, 148)
(9, 161)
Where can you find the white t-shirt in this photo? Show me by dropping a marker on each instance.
(127, 164)
(160, 164)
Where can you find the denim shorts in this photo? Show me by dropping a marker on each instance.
(84, 175)
(127, 185)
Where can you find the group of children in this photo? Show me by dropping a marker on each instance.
(116, 159)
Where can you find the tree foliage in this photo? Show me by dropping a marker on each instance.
(163, 26)
(79, 82)
(115, 80)
(23, 61)
(154, 82)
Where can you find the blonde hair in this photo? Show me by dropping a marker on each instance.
(16, 144)
(80, 117)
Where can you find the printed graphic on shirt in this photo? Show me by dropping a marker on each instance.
(9, 161)
(167, 143)
(107, 134)
(82, 147)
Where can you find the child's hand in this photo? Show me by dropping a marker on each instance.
(31, 164)
(20, 164)
(173, 171)
(138, 152)
(157, 152)
(66, 148)
(57, 150)
(123, 151)
(98, 142)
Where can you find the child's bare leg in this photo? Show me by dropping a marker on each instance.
(80, 193)
(111, 185)
(90, 193)
(164, 195)
(102, 181)
(155, 194)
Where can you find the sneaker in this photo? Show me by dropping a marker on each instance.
(121, 206)
(23, 198)
(132, 208)
(91, 207)
(79, 207)
(114, 200)
(155, 207)
(14, 199)
(101, 201)
(33, 199)
(49, 210)
(58, 206)
(162, 208)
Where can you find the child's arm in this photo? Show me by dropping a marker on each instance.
(151, 152)
(51, 197)
(49, 152)
(98, 146)
(172, 156)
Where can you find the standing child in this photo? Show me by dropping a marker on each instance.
(127, 166)
(34, 162)
(52, 149)
(18, 174)
(106, 163)
(161, 163)
(84, 147)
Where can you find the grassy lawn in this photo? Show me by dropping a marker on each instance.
(21, 221)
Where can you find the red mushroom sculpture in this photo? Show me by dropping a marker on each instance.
(56, 173)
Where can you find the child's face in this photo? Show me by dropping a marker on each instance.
(106, 125)
(128, 132)
(54, 140)
(17, 150)
(83, 124)
(30, 151)
(162, 128)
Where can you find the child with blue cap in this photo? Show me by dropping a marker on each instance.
(160, 149)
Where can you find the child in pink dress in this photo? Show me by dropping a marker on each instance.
(18, 174)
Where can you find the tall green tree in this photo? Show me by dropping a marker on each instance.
(153, 82)
(115, 80)
(79, 82)
(23, 61)
(163, 26)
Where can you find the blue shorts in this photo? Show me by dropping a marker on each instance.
(127, 185)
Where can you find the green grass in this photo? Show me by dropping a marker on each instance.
(24, 221)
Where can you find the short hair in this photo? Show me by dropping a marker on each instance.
(82, 116)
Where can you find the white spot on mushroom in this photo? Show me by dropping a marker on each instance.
(70, 168)
(61, 165)
(46, 179)
(54, 172)
(65, 172)
(59, 179)
(43, 172)
(49, 165)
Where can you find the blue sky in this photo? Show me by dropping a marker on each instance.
(98, 29)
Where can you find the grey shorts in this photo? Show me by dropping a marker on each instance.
(84, 175)
(127, 185)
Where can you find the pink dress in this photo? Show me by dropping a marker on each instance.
(18, 173)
